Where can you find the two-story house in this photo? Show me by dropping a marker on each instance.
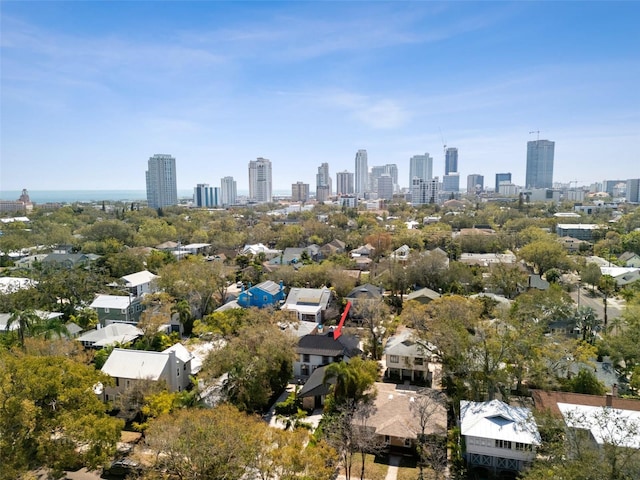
(311, 304)
(409, 358)
(127, 367)
(316, 350)
(265, 294)
(498, 437)
(117, 309)
(141, 283)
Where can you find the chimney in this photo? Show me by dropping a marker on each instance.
(609, 400)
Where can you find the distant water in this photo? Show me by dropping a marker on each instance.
(88, 196)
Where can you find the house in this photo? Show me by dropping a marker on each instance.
(6, 317)
(363, 263)
(409, 358)
(537, 282)
(424, 296)
(292, 255)
(498, 437)
(117, 309)
(395, 417)
(264, 294)
(334, 247)
(167, 246)
(128, 367)
(401, 254)
(363, 251)
(258, 248)
(68, 260)
(362, 298)
(608, 418)
(314, 391)
(196, 248)
(141, 283)
(320, 349)
(487, 259)
(572, 244)
(110, 335)
(622, 275)
(630, 259)
(13, 284)
(311, 304)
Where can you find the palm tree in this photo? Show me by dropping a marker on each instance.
(50, 328)
(27, 322)
(183, 309)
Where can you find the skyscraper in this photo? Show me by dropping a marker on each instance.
(344, 183)
(502, 177)
(162, 190)
(633, 190)
(362, 173)
(228, 191)
(299, 192)
(323, 183)
(451, 161)
(260, 186)
(451, 182)
(424, 191)
(420, 166)
(384, 186)
(390, 169)
(539, 164)
(475, 183)
(206, 196)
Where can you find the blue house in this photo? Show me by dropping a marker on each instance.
(264, 294)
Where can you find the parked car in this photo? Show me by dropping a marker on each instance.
(122, 467)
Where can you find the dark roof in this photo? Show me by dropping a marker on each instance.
(325, 344)
(315, 386)
(367, 291)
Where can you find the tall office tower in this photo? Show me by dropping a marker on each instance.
(384, 187)
(362, 173)
(610, 185)
(228, 191)
(450, 160)
(420, 166)
(502, 177)
(299, 192)
(323, 182)
(162, 190)
(475, 183)
(451, 182)
(206, 196)
(390, 169)
(344, 183)
(633, 190)
(260, 186)
(539, 164)
(424, 191)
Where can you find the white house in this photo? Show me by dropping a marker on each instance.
(408, 357)
(140, 283)
(497, 436)
(622, 275)
(126, 367)
(110, 335)
(310, 304)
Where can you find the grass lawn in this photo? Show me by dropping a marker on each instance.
(374, 469)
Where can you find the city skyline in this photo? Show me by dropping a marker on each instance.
(88, 93)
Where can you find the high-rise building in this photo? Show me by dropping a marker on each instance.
(205, 196)
(384, 187)
(299, 192)
(424, 191)
(451, 182)
(390, 169)
(362, 173)
(228, 191)
(260, 186)
(344, 183)
(420, 166)
(610, 186)
(475, 183)
(633, 190)
(323, 183)
(502, 177)
(162, 189)
(539, 164)
(450, 160)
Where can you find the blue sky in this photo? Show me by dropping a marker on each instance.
(90, 90)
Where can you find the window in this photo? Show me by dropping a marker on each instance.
(123, 311)
(304, 370)
(178, 370)
(418, 361)
(407, 442)
(325, 359)
(524, 447)
(106, 310)
(117, 382)
(305, 357)
(387, 440)
(503, 444)
(394, 359)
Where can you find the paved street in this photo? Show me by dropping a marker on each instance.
(615, 306)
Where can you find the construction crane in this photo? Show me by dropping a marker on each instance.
(537, 132)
